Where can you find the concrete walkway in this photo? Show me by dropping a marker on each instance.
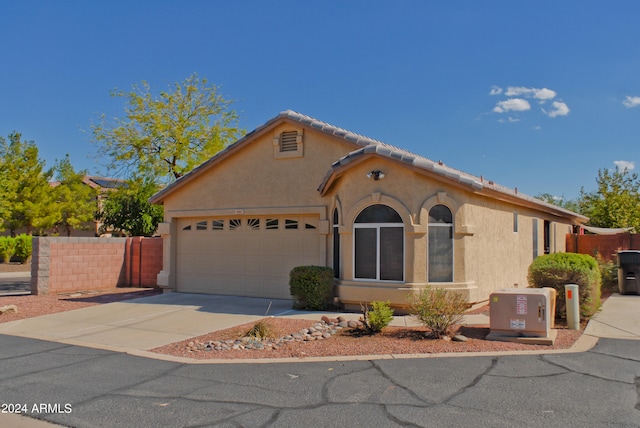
(618, 319)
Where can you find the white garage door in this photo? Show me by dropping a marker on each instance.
(244, 256)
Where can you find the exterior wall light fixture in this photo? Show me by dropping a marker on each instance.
(376, 175)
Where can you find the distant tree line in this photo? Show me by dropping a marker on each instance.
(615, 203)
(29, 198)
(160, 138)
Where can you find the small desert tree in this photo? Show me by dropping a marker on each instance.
(127, 209)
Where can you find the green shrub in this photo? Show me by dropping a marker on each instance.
(437, 308)
(312, 287)
(376, 317)
(558, 269)
(608, 273)
(24, 247)
(7, 248)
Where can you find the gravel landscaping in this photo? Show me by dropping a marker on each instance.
(351, 342)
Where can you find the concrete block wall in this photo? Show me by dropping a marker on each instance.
(62, 264)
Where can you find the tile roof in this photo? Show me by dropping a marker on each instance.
(371, 146)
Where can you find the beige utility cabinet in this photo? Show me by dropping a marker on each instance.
(523, 312)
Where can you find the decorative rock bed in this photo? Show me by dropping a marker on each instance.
(321, 330)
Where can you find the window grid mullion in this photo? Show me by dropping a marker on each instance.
(378, 260)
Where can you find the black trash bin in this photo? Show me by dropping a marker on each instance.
(629, 271)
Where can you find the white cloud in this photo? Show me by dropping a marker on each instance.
(495, 90)
(513, 104)
(515, 91)
(622, 165)
(518, 99)
(559, 109)
(509, 119)
(543, 94)
(631, 102)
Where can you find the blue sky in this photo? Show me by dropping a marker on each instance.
(537, 95)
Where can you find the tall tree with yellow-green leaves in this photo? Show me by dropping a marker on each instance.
(164, 136)
(160, 138)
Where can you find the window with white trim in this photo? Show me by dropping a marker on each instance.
(440, 251)
(336, 244)
(378, 244)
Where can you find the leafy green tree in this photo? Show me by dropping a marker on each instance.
(165, 137)
(127, 209)
(29, 194)
(616, 201)
(76, 202)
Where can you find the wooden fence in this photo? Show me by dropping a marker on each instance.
(604, 245)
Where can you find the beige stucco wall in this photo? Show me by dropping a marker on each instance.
(253, 178)
(488, 254)
(254, 181)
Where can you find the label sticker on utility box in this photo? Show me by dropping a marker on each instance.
(521, 305)
(517, 324)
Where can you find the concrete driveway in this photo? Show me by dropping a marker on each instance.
(146, 323)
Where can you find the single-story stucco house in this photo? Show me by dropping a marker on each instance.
(298, 191)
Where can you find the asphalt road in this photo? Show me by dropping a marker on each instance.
(15, 282)
(86, 387)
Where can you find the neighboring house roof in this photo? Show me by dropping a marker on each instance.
(100, 183)
(103, 182)
(370, 146)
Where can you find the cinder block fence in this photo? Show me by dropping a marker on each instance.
(61, 264)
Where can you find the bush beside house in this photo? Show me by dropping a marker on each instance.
(558, 269)
(438, 309)
(311, 287)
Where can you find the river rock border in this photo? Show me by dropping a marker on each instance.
(321, 330)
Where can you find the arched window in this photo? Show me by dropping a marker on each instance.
(336, 244)
(379, 244)
(440, 253)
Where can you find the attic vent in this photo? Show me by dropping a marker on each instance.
(288, 144)
(289, 141)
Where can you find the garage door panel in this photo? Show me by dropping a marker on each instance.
(250, 260)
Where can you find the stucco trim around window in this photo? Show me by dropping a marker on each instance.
(461, 221)
(348, 218)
